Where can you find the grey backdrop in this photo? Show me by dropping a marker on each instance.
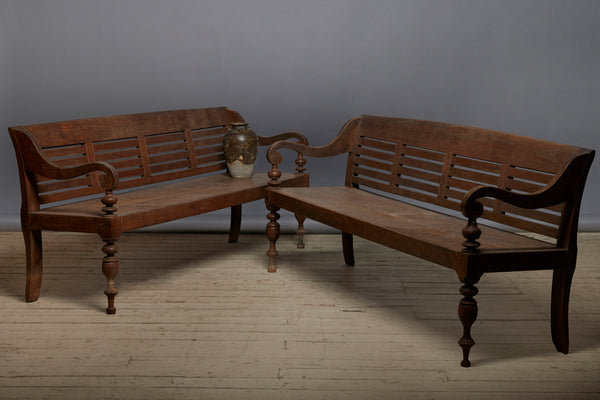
(530, 67)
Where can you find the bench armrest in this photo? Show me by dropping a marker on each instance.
(33, 160)
(342, 143)
(566, 186)
(269, 140)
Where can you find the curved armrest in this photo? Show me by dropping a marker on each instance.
(35, 161)
(269, 140)
(340, 144)
(566, 186)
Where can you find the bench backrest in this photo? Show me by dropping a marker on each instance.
(438, 163)
(144, 148)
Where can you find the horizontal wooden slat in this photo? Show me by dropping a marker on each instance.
(477, 164)
(208, 132)
(64, 184)
(209, 150)
(377, 144)
(128, 163)
(423, 175)
(117, 155)
(417, 185)
(152, 140)
(69, 194)
(64, 151)
(162, 158)
(368, 162)
(423, 153)
(540, 215)
(71, 161)
(165, 148)
(365, 172)
(474, 176)
(530, 175)
(208, 142)
(522, 186)
(210, 159)
(110, 145)
(378, 155)
(421, 164)
(161, 168)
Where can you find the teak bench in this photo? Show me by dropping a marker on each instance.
(62, 164)
(525, 184)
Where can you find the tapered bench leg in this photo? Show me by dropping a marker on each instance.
(467, 313)
(33, 255)
(300, 232)
(236, 223)
(110, 269)
(273, 229)
(348, 248)
(561, 289)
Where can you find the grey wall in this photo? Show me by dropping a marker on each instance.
(524, 66)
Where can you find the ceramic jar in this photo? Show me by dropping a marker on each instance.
(240, 145)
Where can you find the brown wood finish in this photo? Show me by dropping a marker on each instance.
(406, 178)
(65, 166)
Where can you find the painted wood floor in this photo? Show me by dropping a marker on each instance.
(199, 318)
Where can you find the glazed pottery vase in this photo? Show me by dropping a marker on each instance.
(240, 145)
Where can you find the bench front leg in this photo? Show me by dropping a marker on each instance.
(110, 231)
(110, 269)
(467, 313)
(273, 230)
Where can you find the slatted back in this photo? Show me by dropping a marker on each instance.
(438, 163)
(144, 148)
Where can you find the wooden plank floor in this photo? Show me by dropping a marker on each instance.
(199, 318)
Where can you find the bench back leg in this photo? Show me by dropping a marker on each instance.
(33, 255)
(561, 288)
(236, 223)
(300, 231)
(348, 248)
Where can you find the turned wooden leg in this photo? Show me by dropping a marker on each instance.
(561, 288)
(300, 231)
(110, 269)
(33, 256)
(273, 229)
(236, 223)
(348, 248)
(467, 313)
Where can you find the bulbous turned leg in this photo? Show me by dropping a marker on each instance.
(561, 289)
(236, 223)
(467, 313)
(300, 231)
(110, 269)
(273, 229)
(348, 248)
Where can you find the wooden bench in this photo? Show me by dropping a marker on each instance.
(65, 166)
(437, 169)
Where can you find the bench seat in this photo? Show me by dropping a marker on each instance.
(154, 205)
(418, 231)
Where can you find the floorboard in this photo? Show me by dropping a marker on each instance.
(200, 318)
